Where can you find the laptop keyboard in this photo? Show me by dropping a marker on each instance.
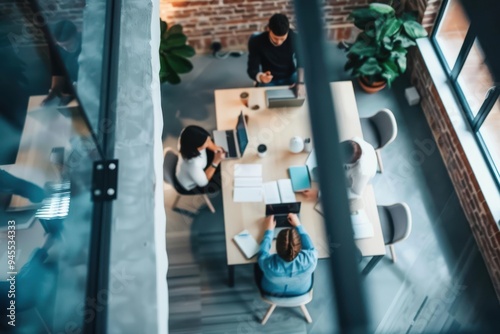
(230, 144)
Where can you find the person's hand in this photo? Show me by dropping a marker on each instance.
(293, 219)
(269, 222)
(299, 89)
(219, 156)
(218, 149)
(311, 193)
(53, 93)
(266, 77)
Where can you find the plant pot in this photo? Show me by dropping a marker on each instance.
(371, 87)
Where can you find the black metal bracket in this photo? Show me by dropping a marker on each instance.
(105, 180)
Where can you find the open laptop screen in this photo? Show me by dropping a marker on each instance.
(282, 208)
(241, 133)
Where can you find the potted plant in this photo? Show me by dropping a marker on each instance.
(174, 53)
(378, 56)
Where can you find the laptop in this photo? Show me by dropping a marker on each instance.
(283, 98)
(234, 141)
(280, 212)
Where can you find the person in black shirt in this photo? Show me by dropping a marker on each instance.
(68, 46)
(272, 57)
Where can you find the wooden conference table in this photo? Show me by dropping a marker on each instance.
(274, 128)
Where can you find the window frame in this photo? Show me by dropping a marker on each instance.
(474, 121)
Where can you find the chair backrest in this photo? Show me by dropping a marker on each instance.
(401, 219)
(386, 125)
(169, 165)
(289, 301)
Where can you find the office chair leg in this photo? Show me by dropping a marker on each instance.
(176, 201)
(306, 313)
(268, 314)
(393, 253)
(379, 162)
(210, 206)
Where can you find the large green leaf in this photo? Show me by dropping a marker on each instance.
(381, 8)
(388, 43)
(414, 30)
(370, 67)
(362, 17)
(167, 73)
(173, 41)
(175, 29)
(179, 64)
(390, 71)
(398, 52)
(183, 51)
(404, 41)
(163, 27)
(361, 48)
(401, 62)
(389, 28)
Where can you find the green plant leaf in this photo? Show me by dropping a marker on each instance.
(163, 27)
(382, 8)
(414, 30)
(387, 43)
(179, 64)
(409, 16)
(398, 52)
(183, 51)
(173, 41)
(361, 48)
(370, 67)
(401, 62)
(167, 73)
(404, 41)
(175, 29)
(390, 71)
(362, 17)
(389, 28)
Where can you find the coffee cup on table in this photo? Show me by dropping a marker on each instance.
(244, 98)
(261, 150)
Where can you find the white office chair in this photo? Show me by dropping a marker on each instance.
(379, 130)
(295, 301)
(169, 165)
(396, 224)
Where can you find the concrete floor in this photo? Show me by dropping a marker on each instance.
(439, 283)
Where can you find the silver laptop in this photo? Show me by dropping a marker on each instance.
(234, 141)
(283, 98)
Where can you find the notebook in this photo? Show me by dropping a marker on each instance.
(246, 243)
(300, 178)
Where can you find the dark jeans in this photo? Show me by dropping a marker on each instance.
(280, 82)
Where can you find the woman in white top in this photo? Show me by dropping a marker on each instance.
(360, 165)
(197, 170)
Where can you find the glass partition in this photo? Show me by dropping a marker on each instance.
(50, 93)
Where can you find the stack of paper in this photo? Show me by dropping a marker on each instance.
(247, 183)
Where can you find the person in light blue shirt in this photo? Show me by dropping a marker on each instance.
(289, 272)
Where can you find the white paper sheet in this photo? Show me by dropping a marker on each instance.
(247, 170)
(247, 182)
(247, 194)
(286, 191)
(271, 193)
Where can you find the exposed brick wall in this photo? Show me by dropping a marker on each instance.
(26, 24)
(427, 10)
(233, 21)
(471, 198)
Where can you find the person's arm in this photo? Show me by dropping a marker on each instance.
(210, 170)
(253, 64)
(306, 240)
(265, 244)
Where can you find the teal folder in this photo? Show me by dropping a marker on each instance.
(300, 178)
